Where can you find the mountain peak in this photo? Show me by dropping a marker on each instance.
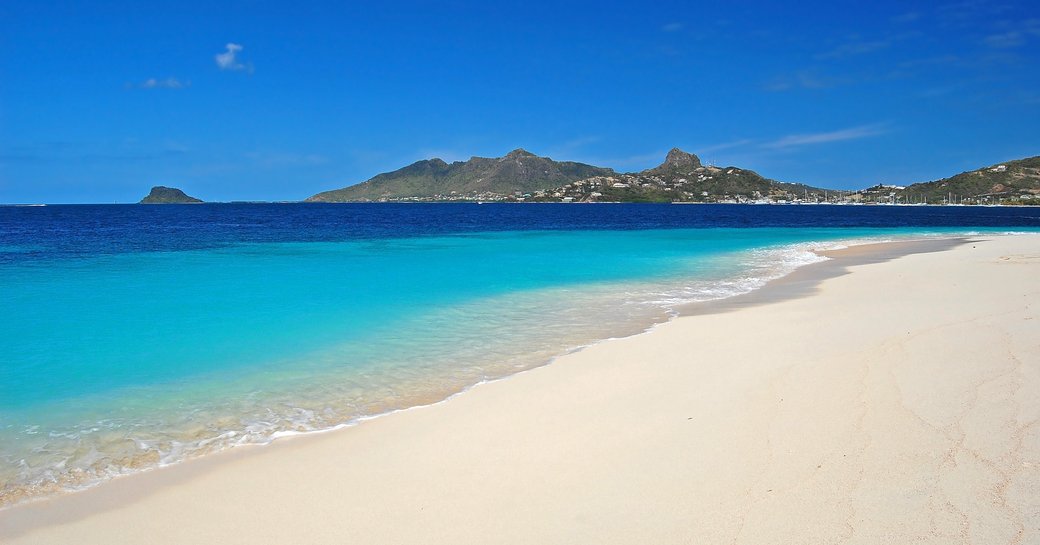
(519, 152)
(677, 161)
(679, 158)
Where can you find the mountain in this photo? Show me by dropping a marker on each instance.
(521, 175)
(1013, 179)
(684, 172)
(1013, 182)
(167, 195)
(676, 162)
(519, 171)
(681, 178)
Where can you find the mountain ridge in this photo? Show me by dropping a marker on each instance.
(518, 170)
(523, 176)
(1016, 181)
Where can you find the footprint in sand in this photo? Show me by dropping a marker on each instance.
(1020, 259)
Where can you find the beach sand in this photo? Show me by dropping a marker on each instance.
(897, 403)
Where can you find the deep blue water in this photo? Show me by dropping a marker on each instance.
(137, 335)
(85, 230)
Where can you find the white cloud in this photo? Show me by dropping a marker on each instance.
(1005, 40)
(279, 159)
(806, 79)
(228, 60)
(854, 48)
(672, 27)
(851, 133)
(168, 83)
(724, 146)
(571, 147)
(1016, 36)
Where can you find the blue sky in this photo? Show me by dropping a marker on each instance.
(240, 100)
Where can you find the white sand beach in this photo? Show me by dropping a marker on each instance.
(898, 403)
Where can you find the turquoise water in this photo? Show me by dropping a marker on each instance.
(118, 361)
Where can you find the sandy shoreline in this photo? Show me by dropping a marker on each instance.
(898, 403)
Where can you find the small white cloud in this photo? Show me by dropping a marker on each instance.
(1014, 35)
(174, 147)
(1005, 40)
(168, 83)
(854, 48)
(672, 27)
(281, 159)
(228, 60)
(805, 79)
(575, 145)
(852, 133)
(724, 146)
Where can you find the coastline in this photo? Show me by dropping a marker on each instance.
(791, 279)
(566, 451)
(159, 445)
(804, 280)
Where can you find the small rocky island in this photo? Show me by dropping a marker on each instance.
(168, 195)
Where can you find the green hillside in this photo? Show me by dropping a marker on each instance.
(1010, 180)
(681, 178)
(519, 171)
(521, 175)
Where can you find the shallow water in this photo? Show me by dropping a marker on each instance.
(134, 337)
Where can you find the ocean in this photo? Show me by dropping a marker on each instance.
(134, 336)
